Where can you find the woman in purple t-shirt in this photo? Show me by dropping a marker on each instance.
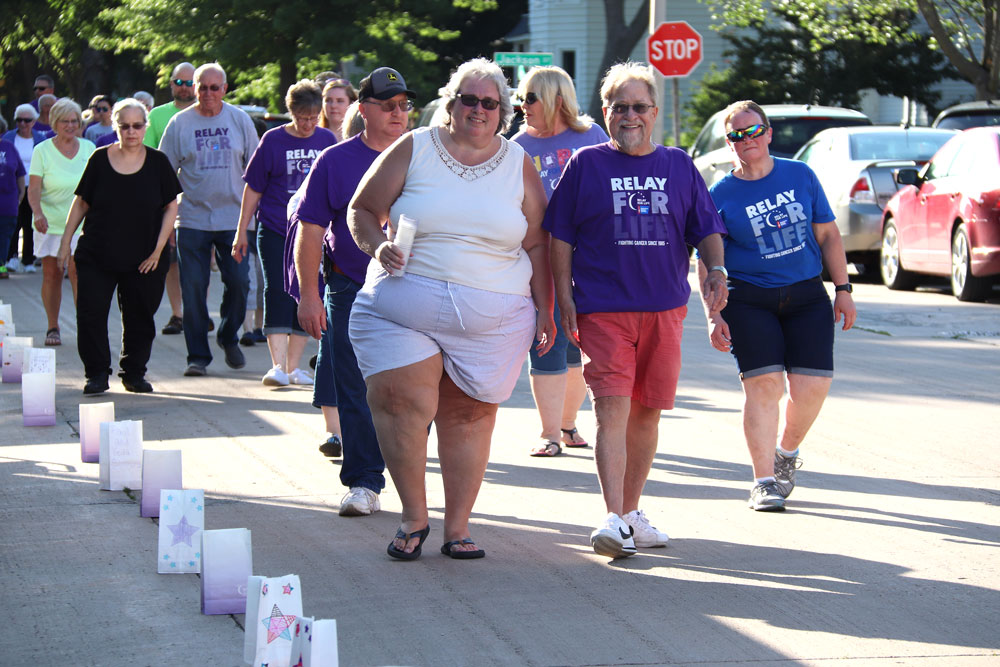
(275, 171)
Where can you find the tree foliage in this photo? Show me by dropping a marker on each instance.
(621, 37)
(967, 32)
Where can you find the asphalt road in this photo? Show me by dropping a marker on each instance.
(888, 553)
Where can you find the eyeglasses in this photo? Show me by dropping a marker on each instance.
(488, 103)
(131, 126)
(306, 119)
(213, 87)
(24, 120)
(183, 82)
(389, 106)
(752, 132)
(70, 121)
(37, 88)
(640, 108)
(529, 98)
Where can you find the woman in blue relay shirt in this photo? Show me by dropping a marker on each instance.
(779, 318)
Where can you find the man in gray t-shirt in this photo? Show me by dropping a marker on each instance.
(210, 144)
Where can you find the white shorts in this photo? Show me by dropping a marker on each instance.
(482, 336)
(47, 245)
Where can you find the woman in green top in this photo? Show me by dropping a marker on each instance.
(56, 167)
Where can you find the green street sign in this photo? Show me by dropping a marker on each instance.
(518, 58)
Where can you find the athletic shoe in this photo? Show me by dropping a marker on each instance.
(299, 376)
(766, 497)
(195, 370)
(174, 326)
(258, 336)
(333, 447)
(30, 268)
(14, 265)
(613, 538)
(137, 386)
(645, 534)
(359, 501)
(246, 340)
(234, 356)
(275, 377)
(784, 472)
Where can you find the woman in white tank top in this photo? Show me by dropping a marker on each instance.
(445, 341)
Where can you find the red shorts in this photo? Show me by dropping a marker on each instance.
(633, 354)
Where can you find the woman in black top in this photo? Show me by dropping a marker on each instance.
(128, 195)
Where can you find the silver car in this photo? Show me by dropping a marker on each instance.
(856, 165)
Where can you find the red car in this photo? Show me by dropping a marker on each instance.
(946, 220)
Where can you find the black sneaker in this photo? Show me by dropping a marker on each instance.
(174, 326)
(332, 447)
(234, 356)
(247, 339)
(137, 386)
(97, 385)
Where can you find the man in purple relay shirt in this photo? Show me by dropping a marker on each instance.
(383, 103)
(620, 219)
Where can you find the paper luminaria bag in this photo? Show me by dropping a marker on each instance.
(38, 387)
(182, 521)
(161, 469)
(273, 606)
(91, 416)
(314, 643)
(13, 357)
(226, 565)
(121, 455)
(301, 640)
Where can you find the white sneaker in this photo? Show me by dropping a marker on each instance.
(299, 376)
(30, 268)
(14, 265)
(613, 538)
(275, 378)
(646, 535)
(359, 501)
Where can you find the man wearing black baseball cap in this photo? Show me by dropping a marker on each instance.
(385, 105)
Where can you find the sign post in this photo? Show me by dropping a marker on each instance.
(674, 49)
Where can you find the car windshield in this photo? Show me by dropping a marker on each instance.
(790, 134)
(917, 146)
(965, 120)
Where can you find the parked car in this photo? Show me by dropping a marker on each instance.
(946, 220)
(792, 125)
(271, 120)
(970, 114)
(855, 165)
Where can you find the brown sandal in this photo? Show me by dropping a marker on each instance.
(52, 338)
(550, 448)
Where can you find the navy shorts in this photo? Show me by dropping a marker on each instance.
(557, 360)
(776, 329)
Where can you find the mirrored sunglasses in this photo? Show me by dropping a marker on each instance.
(752, 132)
(184, 82)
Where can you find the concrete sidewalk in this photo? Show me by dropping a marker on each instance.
(888, 553)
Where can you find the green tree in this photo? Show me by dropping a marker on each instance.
(774, 62)
(967, 32)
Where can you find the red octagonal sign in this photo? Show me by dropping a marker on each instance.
(674, 48)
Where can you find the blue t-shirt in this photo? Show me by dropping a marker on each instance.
(10, 168)
(328, 190)
(629, 219)
(770, 240)
(278, 167)
(550, 155)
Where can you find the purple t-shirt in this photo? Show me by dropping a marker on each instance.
(107, 139)
(10, 168)
(550, 155)
(277, 169)
(334, 178)
(628, 219)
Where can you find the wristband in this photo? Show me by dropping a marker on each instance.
(721, 269)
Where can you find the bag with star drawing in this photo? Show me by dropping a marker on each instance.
(274, 604)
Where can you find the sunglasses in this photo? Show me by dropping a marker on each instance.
(102, 109)
(389, 106)
(24, 120)
(488, 103)
(41, 88)
(529, 98)
(213, 87)
(131, 126)
(752, 132)
(183, 82)
(640, 108)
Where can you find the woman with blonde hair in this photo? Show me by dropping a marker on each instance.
(554, 130)
(56, 167)
(338, 94)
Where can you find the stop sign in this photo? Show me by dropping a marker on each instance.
(674, 48)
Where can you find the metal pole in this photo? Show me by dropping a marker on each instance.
(676, 93)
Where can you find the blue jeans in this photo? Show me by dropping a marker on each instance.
(8, 227)
(194, 252)
(363, 464)
(280, 310)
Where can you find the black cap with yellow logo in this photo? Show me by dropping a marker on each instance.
(382, 84)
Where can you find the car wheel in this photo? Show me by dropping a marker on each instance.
(964, 285)
(893, 274)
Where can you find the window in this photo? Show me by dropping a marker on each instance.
(569, 63)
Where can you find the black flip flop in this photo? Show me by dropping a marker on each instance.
(446, 549)
(401, 535)
(572, 433)
(546, 449)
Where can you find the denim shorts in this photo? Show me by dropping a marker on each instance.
(482, 336)
(775, 329)
(563, 354)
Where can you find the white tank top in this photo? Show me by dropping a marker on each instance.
(469, 220)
